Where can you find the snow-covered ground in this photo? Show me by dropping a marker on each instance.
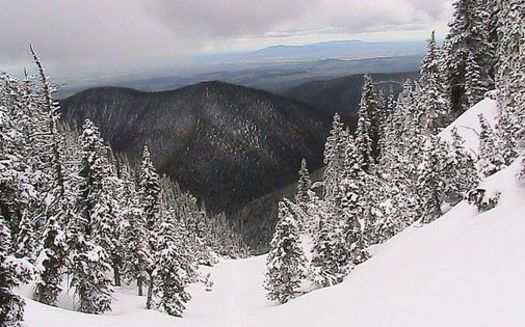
(464, 269)
(468, 123)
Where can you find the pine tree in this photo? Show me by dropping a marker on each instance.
(285, 262)
(52, 259)
(333, 156)
(430, 180)
(89, 261)
(459, 170)
(303, 185)
(368, 124)
(469, 35)
(170, 275)
(149, 194)
(475, 86)
(351, 204)
(490, 159)
(432, 105)
(13, 272)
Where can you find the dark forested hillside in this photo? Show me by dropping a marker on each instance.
(342, 95)
(226, 144)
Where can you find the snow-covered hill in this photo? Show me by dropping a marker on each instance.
(468, 125)
(464, 269)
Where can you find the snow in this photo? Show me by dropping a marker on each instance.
(464, 269)
(468, 123)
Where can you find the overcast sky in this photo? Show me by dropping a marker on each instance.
(117, 33)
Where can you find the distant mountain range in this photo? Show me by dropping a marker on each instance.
(272, 68)
(343, 94)
(346, 49)
(226, 144)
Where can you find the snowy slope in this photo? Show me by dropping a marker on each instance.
(464, 269)
(468, 123)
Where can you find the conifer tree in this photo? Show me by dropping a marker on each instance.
(333, 156)
(149, 194)
(475, 86)
(469, 35)
(430, 182)
(285, 262)
(170, 275)
(459, 170)
(432, 105)
(303, 185)
(368, 124)
(52, 259)
(13, 272)
(490, 159)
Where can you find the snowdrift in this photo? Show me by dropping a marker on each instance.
(468, 123)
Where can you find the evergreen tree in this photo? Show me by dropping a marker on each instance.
(149, 194)
(13, 272)
(285, 262)
(432, 105)
(170, 275)
(459, 170)
(368, 124)
(303, 185)
(475, 86)
(333, 156)
(430, 181)
(469, 35)
(52, 260)
(490, 159)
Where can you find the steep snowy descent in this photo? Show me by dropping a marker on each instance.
(464, 269)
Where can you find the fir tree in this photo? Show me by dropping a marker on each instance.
(432, 105)
(52, 259)
(475, 86)
(170, 275)
(490, 159)
(149, 194)
(285, 262)
(303, 185)
(368, 124)
(469, 35)
(13, 272)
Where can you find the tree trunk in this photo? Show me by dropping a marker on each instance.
(139, 285)
(149, 301)
(116, 275)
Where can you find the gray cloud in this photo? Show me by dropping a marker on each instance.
(68, 33)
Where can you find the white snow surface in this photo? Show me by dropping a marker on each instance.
(468, 123)
(464, 269)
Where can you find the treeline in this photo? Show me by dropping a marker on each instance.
(396, 171)
(70, 207)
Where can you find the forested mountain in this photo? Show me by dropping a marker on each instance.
(342, 95)
(226, 144)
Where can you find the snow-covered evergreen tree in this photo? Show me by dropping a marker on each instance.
(286, 261)
(469, 35)
(13, 272)
(490, 158)
(303, 185)
(432, 104)
(367, 134)
(170, 276)
(149, 194)
(475, 86)
(52, 260)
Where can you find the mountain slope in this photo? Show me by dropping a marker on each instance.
(464, 269)
(343, 94)
(226, 144)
